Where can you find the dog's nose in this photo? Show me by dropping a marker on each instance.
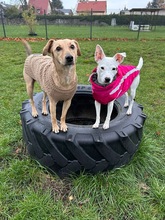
(107, 80)
(69, 59)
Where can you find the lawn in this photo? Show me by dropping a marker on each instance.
(60, 31)
(133, 192)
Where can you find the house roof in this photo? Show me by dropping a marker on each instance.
(39, 4)
(145, 9)
(96, 6)
(65, 11)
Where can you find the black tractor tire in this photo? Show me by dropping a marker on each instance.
(82, 148)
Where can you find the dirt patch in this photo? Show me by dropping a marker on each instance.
(60, 189)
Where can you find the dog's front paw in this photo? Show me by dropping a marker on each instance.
(34, 113)
(126, 105)
(129, 112)
(105, 125)
(45, 113)
(96, 125)
(64, 127)
(55, 129)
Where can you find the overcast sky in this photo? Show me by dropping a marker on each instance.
(112, 5)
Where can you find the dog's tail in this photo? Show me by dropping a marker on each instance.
(140, 64)
(27, 47)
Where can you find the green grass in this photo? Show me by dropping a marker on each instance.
(133, 192)
(60, 31)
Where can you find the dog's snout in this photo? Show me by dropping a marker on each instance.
(107, 80)
(69, 59)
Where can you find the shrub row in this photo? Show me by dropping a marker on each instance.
(96, 19)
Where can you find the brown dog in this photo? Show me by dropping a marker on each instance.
(56, 75)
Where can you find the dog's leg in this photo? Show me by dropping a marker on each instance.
(98, 108)
(55, 127)
(44, 110)
(29, 87)
(65, 108)
(126, 104)
(133, 93)
(109, 112)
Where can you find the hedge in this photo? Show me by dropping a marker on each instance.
(97, 19)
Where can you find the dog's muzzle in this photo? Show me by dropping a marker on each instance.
(107, 80)
(69, 60)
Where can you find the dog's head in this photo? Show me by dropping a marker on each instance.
(107, 66)
(63, 52)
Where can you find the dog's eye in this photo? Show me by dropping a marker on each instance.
(102, 67)
(58, 48)
(114, 68)
(72, 46)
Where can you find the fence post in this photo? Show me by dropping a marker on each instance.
(91, 25)
(46, 30)
(2, 20)
(138, 31)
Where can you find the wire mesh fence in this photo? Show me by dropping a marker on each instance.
(88, 31)
(80, 32)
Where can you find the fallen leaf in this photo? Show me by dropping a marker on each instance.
(70, 198)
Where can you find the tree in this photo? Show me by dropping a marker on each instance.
(23, 4)
(56, 4)
(154, 4)
(149, 5)
(29, 16)
(12, 12)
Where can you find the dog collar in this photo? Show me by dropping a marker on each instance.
(107, 93)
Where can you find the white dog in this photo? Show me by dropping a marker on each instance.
(110, 80)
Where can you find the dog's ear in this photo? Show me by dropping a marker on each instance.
(78, 48)
(99, 53)
(119, 57)
(47, 48)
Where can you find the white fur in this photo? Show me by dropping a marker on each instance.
(106, 71)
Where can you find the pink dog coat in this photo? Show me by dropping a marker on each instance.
(124, 78)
